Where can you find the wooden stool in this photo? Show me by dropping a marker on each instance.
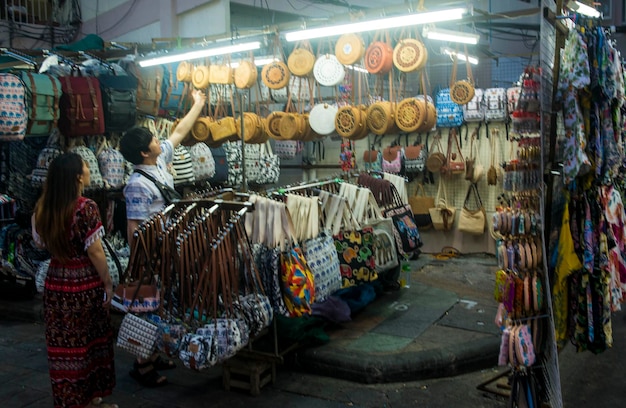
(248, 374)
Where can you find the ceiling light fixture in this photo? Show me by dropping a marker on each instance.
(582, 8)
(461, 56)
(200, 53)
(379, 24)
(451, 36)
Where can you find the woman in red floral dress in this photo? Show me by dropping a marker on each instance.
(78, 288)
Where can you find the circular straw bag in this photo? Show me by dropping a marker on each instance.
(379, 58)
(351, 122)
(380, 118)
(301, 61)
(184, 72)
(275, 75)
(272, 124)
(349, 49)
(200, 129)
(462, 91)
(410, 114)
(410, 55)
(200, 77)
(245, 75)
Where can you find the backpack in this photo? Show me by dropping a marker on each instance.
(512, 96)
(81, 107)
(449, 114)
(495, 104)
(221, 165)
(112, 166)
(183, 166)
(172, 90)
(119, 99)
(89, 157)
(150, 81)
(202, 161)
(43, 92)
(13, 114)
(474, 110)
(45, 157)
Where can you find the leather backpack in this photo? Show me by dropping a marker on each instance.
(81, 107)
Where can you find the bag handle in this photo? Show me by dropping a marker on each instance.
(452, 136)
(472, 190)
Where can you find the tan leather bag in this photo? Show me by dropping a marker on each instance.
(436, 159)
(442, 214)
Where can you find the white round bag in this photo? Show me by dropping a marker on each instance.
(328, 71)
(322, 118)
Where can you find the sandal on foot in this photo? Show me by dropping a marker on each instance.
(96, 401)
(149, 378)
(163, 364)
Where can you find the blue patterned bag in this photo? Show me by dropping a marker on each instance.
(321, 255)
(13, 115)
(449, 114)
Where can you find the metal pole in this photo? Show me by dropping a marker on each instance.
(244, 181)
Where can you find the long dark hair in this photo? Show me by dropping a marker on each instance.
(55, 208)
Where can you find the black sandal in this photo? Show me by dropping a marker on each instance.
(148, 378)
(163, 364)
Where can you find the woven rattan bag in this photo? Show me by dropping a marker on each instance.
(462, 91)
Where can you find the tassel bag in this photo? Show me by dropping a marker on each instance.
(472, 221)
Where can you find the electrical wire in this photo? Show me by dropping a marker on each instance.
(120, 21)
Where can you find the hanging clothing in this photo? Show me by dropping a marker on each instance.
(573, 77)
(79, 336)
(567, 262)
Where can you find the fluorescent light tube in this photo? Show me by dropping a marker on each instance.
(461, 56)
(380, 24)
(582, 8)
(201, 53)
(449, 35)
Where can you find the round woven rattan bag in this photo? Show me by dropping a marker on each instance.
(351, 122)
(200, 77)
(275, 75)
(379, 58)
(272, 124)
(349, 49)
(184, 72)
(328, 71)
(245, 75)
(410, 55)
(300, 62)
(461, 92)
(380, 120)
(410, 114)
(200, 129)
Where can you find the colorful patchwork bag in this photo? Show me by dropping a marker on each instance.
(13, 114)
(405, 230)
(356, 256)
(297, 281)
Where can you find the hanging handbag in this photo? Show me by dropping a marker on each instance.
(414, 157)
(472, 221)
(349, 49)
(462, 91)
(455, 163)
(321, 256)
(442, 214)
(420, 204)
(269, 165)
(436, 159)
(492, 173)
(379, 55)
(474, 170)
(405, 231)
(297, 282)
(137, 336)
